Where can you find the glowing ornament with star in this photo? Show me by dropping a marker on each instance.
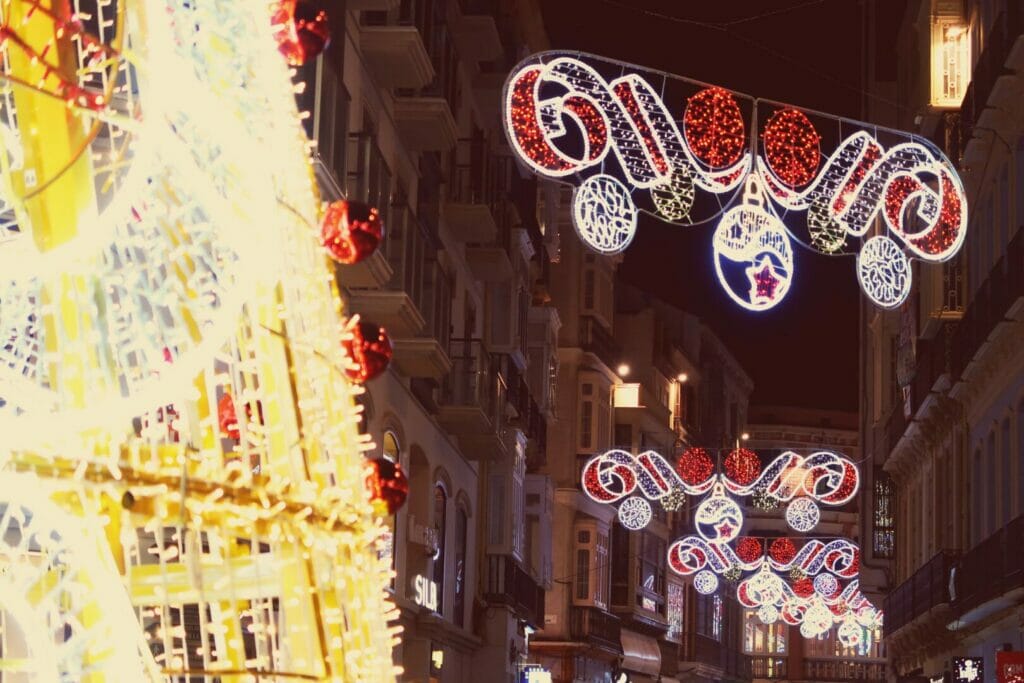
(718, 518)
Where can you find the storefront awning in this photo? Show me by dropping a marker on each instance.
(640, 653)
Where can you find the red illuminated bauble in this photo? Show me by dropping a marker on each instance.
(748, 549)
(350, 231)
(713, 127)
(387, 485)
(695, 466)
(804, 588)
(782, 550)
(369, 350)
(227, 419)
(742, 466)
(301, 29)
(791, 147)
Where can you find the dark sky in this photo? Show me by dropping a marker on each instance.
(806, 53)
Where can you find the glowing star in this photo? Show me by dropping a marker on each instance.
(802, 515)
(884, 272)
(705, 582)
(763, 281)
(634, 513)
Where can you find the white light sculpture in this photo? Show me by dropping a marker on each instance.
(604, 214)
(802, 515)
(884, 272)
(705, 582)
(634, 513)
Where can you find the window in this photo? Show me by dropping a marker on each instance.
(709, 616)
(586, 439)
(1005, 472)
(590, 577)
(650, 589)
(951, 62)
(989, 473)
(827, 645)
(440, 519)
(885, 515)
(461, 528)
(1020, 452)
(676, 603)
(763, 639)
(391, 451)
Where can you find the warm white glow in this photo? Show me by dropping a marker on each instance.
(950, 63)
(623, 370)
(626, 395)
(682, 377)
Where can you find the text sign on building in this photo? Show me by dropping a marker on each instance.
(1010, 667)
(424, 592)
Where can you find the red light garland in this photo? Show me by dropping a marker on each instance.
(749, 549)
(369, 349)
(350, 231)
(791, 147)
(387, 484)
(782, 550)
(695, 466)
(714, 128)
(227, 419)
(301, 30)
(625, 94)
(804, 588)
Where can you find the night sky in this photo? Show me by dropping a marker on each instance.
(808, 54)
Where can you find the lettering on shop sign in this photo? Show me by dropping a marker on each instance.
(425, 592)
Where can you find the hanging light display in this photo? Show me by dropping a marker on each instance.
(638, 156)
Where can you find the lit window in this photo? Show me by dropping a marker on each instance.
(885, 515)
(951, 62)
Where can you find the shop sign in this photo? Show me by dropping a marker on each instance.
(968, 669)
(1010, 667)
(534, 673)
(425, 592)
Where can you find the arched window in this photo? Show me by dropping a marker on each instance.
(440, 523)
(390, 448)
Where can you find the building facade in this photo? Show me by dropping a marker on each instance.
(403, 109)
(943, 379)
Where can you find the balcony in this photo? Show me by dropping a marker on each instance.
(596, 627)
(393, 47)
(476, 32)
(934, 363)
(421, 357)
(595, 339)
(990, 576)
(716, 658)
(425, 122)
(921, 594)
(768, 667)
(477, 184)
(473, 400)
(996, 299)
(392, 309)
(842, 670)
(992, 79)
(508, 584)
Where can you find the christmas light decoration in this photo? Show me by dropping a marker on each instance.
(634, 513)
(695, 466)
(604, 214)
(301, 30)
(884, 272)
(161, 250)
(350, 231)
(825, 584)
(742, 466)
(368, 349)
(749, 549)
(705, 582)
(714, 128)
(566, 121)
(733, 573)
(753, 254)
(791, 147)
(764, 501)
(387, 485)
(673, 500)
(796, 574)
(782, 551)
(827, 477)
(768, 614)
(718, 518)
(802, 515)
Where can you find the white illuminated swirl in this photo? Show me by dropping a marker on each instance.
(705, 582)
(803, 515)
(884, 272)
(604, 214)
(635, 513)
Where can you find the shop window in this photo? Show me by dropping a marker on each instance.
(763, 639)
(461, 530)
(440, 519)
(676, 604)
(709, 616)
(951, 62)
(390, 450)
(885, 515)
(650, 591)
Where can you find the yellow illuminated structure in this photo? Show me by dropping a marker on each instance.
(181, 473)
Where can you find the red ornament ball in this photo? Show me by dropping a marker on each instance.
(748, 549)
(387, 485)
(742, 466)
(369, 350)
(791, 147)
(804, 588)
(350, 231)
(227, 419)
(713, 127)
(301, 29)
(782, 550)
(695, 466)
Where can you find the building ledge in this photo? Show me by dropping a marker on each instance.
(396, 56)
(421, 357)
(426, 124)
(392, 310)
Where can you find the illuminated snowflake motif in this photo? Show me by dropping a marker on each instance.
(825, 585)
(768, 614)
(884, 272)
(604, 214)
(705, 582)
(635, 513)
(803, 515)
(673, 500)
(827, 236)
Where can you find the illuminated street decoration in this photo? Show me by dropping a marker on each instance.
(634, 513)
(802, 515)
(705, 582)
(632, 140)
(180, 435)
(968, 669)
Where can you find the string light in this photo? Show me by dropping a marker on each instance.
(714, 128)
(350, 231)
(764, 501)
(673, 500)
(705, 582)
(768, 614)
(782, 550)
(634, 513)
(742, 466)
(749, 549)
(802, 515)
(695, 466)
(825, 584)
(791, 146)
(884, 272)
(604, 214)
